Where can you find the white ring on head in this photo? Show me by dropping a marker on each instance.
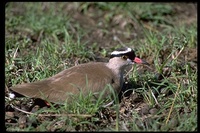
(121, 52)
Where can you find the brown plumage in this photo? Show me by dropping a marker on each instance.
(86, 77)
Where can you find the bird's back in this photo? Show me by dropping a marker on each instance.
(85, 77)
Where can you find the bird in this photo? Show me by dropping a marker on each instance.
(82, 78)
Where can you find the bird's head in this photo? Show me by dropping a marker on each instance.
(126, 56)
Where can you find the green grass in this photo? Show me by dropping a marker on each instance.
(42, 39)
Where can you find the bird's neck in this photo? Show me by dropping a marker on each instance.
(117, 68)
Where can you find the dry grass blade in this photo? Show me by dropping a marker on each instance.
(49, 115)
(170, 111)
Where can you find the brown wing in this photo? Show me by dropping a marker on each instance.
(91, 76)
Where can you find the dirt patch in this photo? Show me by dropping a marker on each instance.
(121, 28)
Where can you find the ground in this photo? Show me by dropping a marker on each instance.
(42, 39)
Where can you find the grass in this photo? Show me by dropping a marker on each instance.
(42, 39)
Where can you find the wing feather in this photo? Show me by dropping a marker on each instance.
(92, 76)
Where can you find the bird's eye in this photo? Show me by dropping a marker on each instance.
(124, 57)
